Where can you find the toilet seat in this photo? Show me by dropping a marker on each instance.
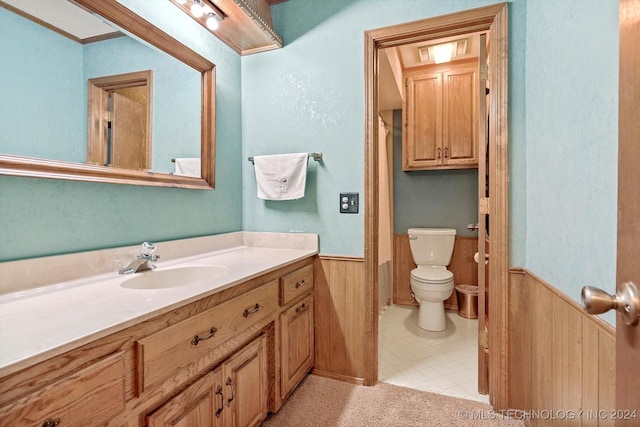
(432, 276)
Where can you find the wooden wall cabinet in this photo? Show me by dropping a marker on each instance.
(440, 117)
(224, 360)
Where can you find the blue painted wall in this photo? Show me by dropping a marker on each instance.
(44, 217)
(41, 90)
(572, 139)
(435, 198)
(309, 96)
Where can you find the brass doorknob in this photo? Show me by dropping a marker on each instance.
(626, 301)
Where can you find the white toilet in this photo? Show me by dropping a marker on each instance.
(431, 282)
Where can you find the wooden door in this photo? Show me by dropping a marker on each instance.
(481, 137)
(199, 405)
(297, 344)
(459, 117)
(129, 143)
(628, 267)
(245, 385)
(422, 118)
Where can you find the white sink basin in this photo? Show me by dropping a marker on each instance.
(174, 277)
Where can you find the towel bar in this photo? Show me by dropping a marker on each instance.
(315, 156)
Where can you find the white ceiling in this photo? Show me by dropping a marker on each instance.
(64, 15)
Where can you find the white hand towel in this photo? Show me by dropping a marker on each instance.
(281, 176)
(188, 166)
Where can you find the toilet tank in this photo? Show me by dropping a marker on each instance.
(432, 246)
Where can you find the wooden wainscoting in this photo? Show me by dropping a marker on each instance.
(339, 309)
(463, 267)
(560, 358)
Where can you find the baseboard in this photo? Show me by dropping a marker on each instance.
(338, 377)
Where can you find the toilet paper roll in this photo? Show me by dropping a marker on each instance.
(476, 258)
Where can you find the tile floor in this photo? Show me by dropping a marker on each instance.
(440, 362)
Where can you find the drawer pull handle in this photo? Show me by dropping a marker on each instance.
(196, 339)
(230, 384)
(255, 309)
(219, 410)
(301, 308)
(439, 153)
(300, 283)
(446, 152)
(51, 422)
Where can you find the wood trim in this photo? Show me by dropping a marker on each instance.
(115, 12)
(493, 19)
(341, 258)
(98, 93)
(560, 357)
(339, 317)
(606, 327)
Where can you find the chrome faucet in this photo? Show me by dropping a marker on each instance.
(145, 260)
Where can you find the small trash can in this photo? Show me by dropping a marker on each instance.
(467, 301)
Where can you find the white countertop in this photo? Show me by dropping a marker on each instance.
(40, 323)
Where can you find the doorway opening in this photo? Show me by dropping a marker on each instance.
(119, 130)
(492, 21)
(429, 167)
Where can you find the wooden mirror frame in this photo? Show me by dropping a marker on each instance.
(138, 26)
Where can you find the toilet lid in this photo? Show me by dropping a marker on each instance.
(432, 275)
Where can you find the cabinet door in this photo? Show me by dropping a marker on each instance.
(297, 344)
(199, 405)
(459, 134)
(246, 385)
(422, 142)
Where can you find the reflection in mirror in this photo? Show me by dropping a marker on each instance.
(62, 102)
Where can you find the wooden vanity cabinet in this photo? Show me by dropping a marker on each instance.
(297, 344)
(439, 117)
(88, 397)
(245, 347)
(234, 394)
(201, 404)
(296, 328)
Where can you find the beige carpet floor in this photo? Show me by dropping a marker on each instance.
(328, 403)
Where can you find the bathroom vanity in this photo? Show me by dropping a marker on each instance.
(223, 351)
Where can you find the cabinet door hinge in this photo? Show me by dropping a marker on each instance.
(484, 205)
(483, 339)
(484, 72)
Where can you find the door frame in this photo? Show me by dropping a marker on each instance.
(628, 234)
(494, 20)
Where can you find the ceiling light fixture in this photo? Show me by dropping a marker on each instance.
(196, 8)
(203, 11)
(213, 21)
(442, 53)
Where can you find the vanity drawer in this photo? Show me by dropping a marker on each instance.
(296, 283)
(88, 397)
(185, 347)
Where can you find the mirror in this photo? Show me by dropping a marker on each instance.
(63, 162)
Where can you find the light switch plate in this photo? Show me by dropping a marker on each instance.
(349, 203)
